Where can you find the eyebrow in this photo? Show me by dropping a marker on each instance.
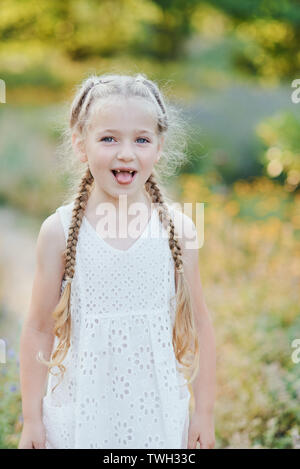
(117, 131)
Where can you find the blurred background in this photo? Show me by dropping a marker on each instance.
(230, 65)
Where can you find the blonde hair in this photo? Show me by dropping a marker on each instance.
(184, 334)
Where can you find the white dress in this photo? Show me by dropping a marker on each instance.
(123, 387)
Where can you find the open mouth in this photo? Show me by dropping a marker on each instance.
(124, 177)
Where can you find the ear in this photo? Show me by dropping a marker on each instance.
(160, 146)
(78, 147)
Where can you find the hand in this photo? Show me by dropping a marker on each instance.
(33, 435)
(202, 429)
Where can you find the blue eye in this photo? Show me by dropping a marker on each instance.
(105, 138)
(142, 138)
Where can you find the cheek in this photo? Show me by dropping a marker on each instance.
(100, 157)
(147, 159)
(103, 160)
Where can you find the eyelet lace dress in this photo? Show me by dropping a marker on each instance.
(123, 387)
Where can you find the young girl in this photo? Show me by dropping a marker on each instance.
(124, 320)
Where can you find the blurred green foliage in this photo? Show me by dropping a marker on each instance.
(10, 398)
(10, 403)
(35, 76)
(270, 32)
(281, 158)
(31, 31)
(29, 179)
(198, 47)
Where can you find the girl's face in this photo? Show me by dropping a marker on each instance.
(122, 134)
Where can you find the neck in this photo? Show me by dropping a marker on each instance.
(120, 204)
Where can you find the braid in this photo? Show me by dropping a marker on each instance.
(164, 216)
(78, 104)
(184, 334)
(82, 98)
(156, 94)
(77, 214)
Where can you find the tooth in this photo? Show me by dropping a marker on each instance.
(119, 170)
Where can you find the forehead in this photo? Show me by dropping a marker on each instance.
(123, 113)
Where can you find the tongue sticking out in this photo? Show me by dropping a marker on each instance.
(123, 176)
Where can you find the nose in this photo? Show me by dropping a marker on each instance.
(126, 152)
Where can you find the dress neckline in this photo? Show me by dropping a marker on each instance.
(113, 249)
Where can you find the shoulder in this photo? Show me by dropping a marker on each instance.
(51, 238)
(51, 228)
(49, 271)
(65, 211)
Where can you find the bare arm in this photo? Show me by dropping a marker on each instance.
(204, 385)
(37, 329)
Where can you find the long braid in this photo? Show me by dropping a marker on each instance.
(77, 215)
(184, 335)
(165, 218)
